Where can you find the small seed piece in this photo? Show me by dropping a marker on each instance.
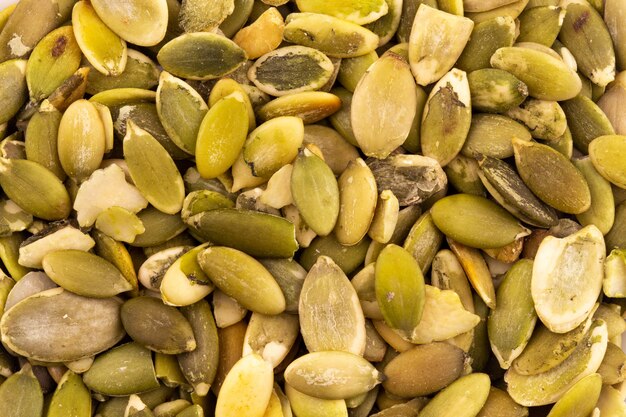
(271, 337)
(184, 283)
(432, 29)
(477, 272)
(463, 398)
(263, 35)
(198, 16)
(332, 375)
(614, 282)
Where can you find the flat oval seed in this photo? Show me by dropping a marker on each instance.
(106, 51)
(399, 288)
(330, 313)
(604, 152)
(14, 92)
(153, 171)
(358, 196)
(84, 273)
(491, 134)
(181, 110)
(221, 136)
(121, 371)
(35, 189)
(292, 69)
(586, 121)
(602, 210)
(156, 326)
(463, 398)
(71, 398)
(436, 42)
(358, 12)
(81, 140)
(381, 118)
(55, 58)
(315, 192)
(552, 177)
(201, 56)
(20, 395)
(423, 370)
(72, 327)
(243, 278)
(142, 22)
(515, 305)
(475, 221)
(247, 388)
(310, 106)
(567, 278)
(307, 406)
(332, 375)
(335, 37)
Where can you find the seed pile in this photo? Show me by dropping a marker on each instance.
(274, 208)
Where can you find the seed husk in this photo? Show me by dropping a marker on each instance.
(552, 177)
(21, 395)
(220, 56)
(354, 11)
(486, 38)
(463, 398)
(124, 370)
(332, 375)
(330, 314)
(102, 47)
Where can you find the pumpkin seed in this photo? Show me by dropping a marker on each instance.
(463, 398)
(614, 273)
(477, 272)
(308, 406)
(603, 151)
(196, 16)
(310, 106)
(353, 11)
(613, 367)
(262, 36)
(21, 395)
(499, 402)
(486, 38)
(545, 119)
(140, 72)
(271, 337)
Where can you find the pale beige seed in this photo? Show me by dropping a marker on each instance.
(262, 36)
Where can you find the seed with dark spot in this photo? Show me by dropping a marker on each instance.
(59, 47)
(580, 22)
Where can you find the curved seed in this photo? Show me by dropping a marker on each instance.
(201, 56)
(95, 326)
(123, 96)
(447, 117)
(330, 314)
(141, 22)
(580, 399)
(436, 42)
(545, 119)
(613, 366)
(153, 170)
(14, 92)
(246, 389)
(335, 37)
(310, 106)
(546, 77)
(21, 395)
(477, 272)
(200, 366)
(184, 283)
(548, 387)
(262, 36)
(567, 278)
(238, 18)
(55, 58)
(121, 371)
(71, 398)
(552, 177)
(271, 337)
(199, 16)
(181, 110)
(291, 69)
(84, 274)
(121, 224)
(382, 117)
(243, 278)
(104, 49)
(602, 210)
(273, 145)
(34, 188)
(515, 305)
(604, 152)
(423, 241)
(140, 72)
(423, 370)
(462, 173)
(290, 277)
(385, 217)
(358, 12)
(332, 375)
(463, 398)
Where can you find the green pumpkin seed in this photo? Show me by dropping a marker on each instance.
(84, 274)
(386, 26)
(121, 224)
(423, 370)
(247, 388)
(385, 217)
(613, 16)
(332, 375)
(486, 38)
(382, 117)
(275, 72)
(352, 69)
(354, 11)
(432, 29)
(71, 398)
(613, 366)
(271, 337)
(541, 24)
(499, 403)
(329, 310)
(587, 37)
(545, 119)
(160, 227)
(515, 305)
(14, 94)
(580, 399)
(423, 241)
(603, 152)
(290, 277)
(236, 273)
(124, 370)
(220, 56)
(602, 210)
(548, 387)
(463, 398)
(491, 134)
(41, 139)
(21, 395)
(55, 58)
(140, 72)
(586, 121)
(334, 37)
(200, 366)
(227, 86)
(546, 77)
(96, 326)
(273, 145)
(123, 96)
(136, 408)
(104, 49)
(310, 106)
(153, 170)
(611, 314)
(495, 91)
(221, 136)
(181, 110)
(462, 173)
(238, 18)
(336, 150)
(197, 16)
(477, 272)
(552, 177)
